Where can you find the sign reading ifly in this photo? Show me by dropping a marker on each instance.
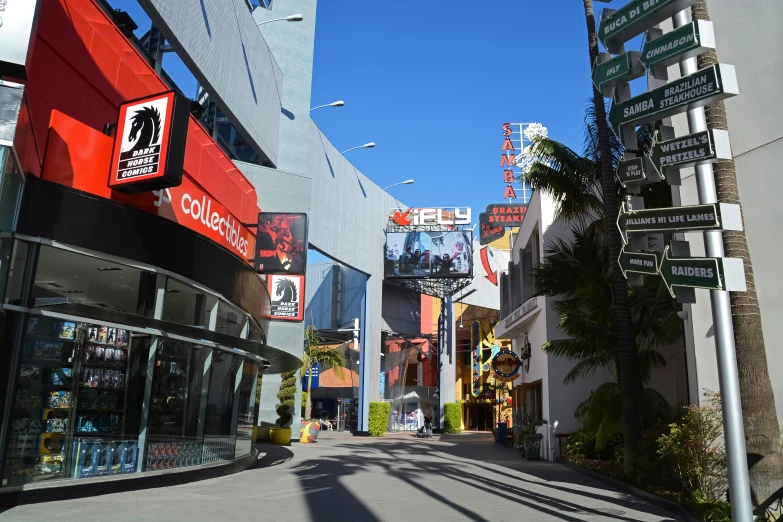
(696, 90)
(688, 41)
(623, 68)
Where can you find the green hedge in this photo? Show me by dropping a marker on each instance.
(379, 418)
(452, 412)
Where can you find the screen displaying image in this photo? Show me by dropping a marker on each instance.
(281, 243)
(428, 254)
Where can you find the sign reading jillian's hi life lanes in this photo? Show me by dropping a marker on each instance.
(713, 216)
(634, 18)
(688, 41)
(623, 68)
(700, 148)
(701, 88)
(631, 171)
(705, 272)
(638, 262)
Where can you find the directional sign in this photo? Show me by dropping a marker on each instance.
(623, 68)
(714, 216)
(688, 41)
(700, 148)
(634, 18)
(706, 86)
(704, 272)
(638, 262)
(631, 171)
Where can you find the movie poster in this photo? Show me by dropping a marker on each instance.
(281, 243)
(287, 295)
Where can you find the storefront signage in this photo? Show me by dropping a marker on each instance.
(508, 159)
(510, 215)
(713, 216)
(696, 149)
(631, 171)
(622, 68)
(18, 21)
(149, 147)
(704, 272)
(475, 347)
(491, 275)
(685, 42)
(281, 243)
(287, 295)
(634, 18)
(315, 381)
(528, 306)
(489, 232)
(506, 365)
(638, 262)
(431, 216)
(696, 90)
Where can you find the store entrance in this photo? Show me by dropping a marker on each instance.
(479, 417)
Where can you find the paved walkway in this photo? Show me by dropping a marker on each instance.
(461, 477)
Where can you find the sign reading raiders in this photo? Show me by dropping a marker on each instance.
(149, 147)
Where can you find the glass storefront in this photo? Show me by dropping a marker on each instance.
(90, 397)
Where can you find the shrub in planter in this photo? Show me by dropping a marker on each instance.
(452, 414)
(379, 418)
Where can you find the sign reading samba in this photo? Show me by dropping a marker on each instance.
(695, 90)
(688, 41)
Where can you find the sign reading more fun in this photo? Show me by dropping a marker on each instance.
(617, 27)
(638, 262)
(149, 148)
(700, 148)
(696, 90)
(688, 41)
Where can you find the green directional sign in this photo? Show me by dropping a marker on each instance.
(623, 68)
(700, 148)
(634, 18)
(638, 262)
(688, 41)
(696, 90)
(631, 171)
(713, 216)
(704, 272)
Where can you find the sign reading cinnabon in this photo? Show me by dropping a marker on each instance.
(149, 147)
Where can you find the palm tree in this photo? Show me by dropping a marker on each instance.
(765, 460)
(327, 358)
(632, 428)
(578, 273)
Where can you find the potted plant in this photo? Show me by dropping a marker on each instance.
(281, 435)
(528, 439)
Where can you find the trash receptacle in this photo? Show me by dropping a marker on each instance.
(502, 430)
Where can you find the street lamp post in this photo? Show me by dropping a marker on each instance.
(365, 146)
(338, 103)
(406, 182)
(292, 18)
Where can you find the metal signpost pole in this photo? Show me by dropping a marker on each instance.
(734, 430)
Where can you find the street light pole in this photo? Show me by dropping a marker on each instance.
(365, 146)
(292, 18)
(406, 182)
(338, 103)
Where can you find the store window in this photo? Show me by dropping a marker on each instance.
(10, 188)
(64, 277)
(20, 253)
(73, 412)
(247, 407)
(184, 304)
(219, 421)
(230, 321)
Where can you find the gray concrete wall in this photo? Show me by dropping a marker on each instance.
(219, 42)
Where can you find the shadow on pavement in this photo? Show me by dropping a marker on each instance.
(271, 455)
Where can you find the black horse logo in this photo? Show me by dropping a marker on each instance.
(146, 125)
(287, 289)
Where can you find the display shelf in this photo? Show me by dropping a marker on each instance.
(47, 363)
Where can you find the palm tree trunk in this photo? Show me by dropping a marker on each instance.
(762, 435)
(628, 372)
(308, 407)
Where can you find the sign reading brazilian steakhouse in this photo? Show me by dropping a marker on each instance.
(706, 86)
(688, 41)
(617, 27)
(713, 216)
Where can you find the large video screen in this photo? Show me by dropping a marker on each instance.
(412, 255)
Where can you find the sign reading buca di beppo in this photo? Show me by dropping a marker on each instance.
(149, 147)
(696, 90)
(617, 27)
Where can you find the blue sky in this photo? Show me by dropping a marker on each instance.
(432, 84)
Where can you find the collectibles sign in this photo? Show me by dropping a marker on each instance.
(622, 68)
(287, 294)
(18, 21)
(688, 41)
(505, 366)
(696, 90)
(281, 243)
(714, 216)
(149, 147)
(696, 149)
(635, 17)
(431, 216)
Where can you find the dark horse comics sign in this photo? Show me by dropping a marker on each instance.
(149, 147)
(287, 293)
